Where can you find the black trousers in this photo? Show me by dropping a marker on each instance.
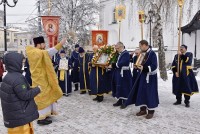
(179, 98)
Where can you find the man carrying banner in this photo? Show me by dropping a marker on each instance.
(44, 76)
(183, 82)
(75, 67)
(122, 75)
(144, 92)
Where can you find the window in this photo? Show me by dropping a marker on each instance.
(15, 35)
(8, 40)
(15, 40)
(114, 20)
(8, 33)
(25, 40)
(20, 42)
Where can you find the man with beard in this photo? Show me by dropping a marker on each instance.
(64, 73)
(84, 59)
(43, 75)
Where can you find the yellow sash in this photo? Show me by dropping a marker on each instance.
(62, 75)
(188, 69)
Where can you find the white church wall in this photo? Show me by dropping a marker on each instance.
(189, 40)
(198, 44)
(131, 29)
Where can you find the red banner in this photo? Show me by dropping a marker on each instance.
(99, 37)
(51, 28)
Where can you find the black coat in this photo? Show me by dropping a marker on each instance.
(28, 73)
(17, 98)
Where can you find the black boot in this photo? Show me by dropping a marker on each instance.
(187, 101)
(178, 98)
(123, 106)
(95, 99)
(89, 92)
(177, 102)
(76, 87)
(44, 122)
(118, 103)
(100, 98)
(187, 104)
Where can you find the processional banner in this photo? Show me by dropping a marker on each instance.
(51, 28)
(99, 37)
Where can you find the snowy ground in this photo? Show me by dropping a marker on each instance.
(78, 114)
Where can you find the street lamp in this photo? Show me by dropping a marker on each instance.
(5, 2)
(150, 21)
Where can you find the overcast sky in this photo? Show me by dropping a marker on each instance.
(21, 11)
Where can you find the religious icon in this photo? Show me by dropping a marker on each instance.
(141, 16)
(50, 28)
(103, 58)
(63, 65)
(99, 38)
(120, 12)
(140, 60)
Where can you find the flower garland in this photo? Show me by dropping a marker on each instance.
(110, 50)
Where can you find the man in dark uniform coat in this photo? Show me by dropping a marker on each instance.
(75, 67)
(144, 92)
(84, 59)
(65, 84)
(97, 81)
(183, 82)
(122, 75)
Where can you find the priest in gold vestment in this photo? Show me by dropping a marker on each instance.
(44, 76)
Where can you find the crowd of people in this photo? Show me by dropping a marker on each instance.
(50, 74)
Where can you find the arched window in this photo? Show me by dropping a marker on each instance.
(21, 42)
(114, 20)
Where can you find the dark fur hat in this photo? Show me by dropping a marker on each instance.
(38, 40)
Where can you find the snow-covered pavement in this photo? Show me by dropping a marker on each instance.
(78, 114)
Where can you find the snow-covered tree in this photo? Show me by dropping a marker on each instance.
(163, 11)
(77, 17)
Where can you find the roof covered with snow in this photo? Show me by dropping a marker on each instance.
(193, 25)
